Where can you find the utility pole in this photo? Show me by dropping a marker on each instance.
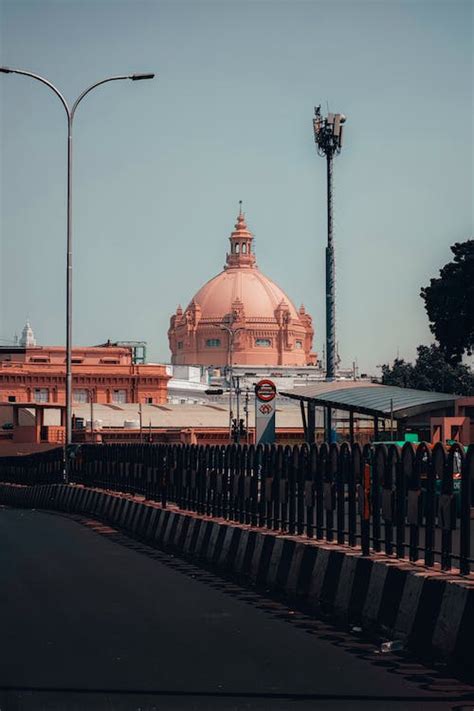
(328, 137)
(237, 395)
(91, 400)
(246, 410)
(231, 332)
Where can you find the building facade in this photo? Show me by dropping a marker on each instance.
(102, 374)
(241, 317)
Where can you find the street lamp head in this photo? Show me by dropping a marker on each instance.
(5, 70)
(139, 77)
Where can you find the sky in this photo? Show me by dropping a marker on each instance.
(159, 166)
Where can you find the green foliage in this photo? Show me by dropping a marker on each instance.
(431, 371)
(449, 303)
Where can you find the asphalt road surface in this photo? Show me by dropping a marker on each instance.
(92, 620)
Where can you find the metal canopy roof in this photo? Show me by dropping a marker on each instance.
(373, 399)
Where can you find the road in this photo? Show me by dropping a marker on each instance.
(92, 620)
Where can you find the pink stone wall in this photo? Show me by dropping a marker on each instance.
(101, 374)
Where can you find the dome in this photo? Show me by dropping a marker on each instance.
(241, 317)
(259, 295)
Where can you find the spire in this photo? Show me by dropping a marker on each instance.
(27, 338)
(241, 239)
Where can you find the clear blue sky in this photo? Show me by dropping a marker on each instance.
(160, 166)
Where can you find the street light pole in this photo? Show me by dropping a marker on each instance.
(70, 112)
(232, 333)
(237, 398)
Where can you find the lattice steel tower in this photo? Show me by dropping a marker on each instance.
(328, 137)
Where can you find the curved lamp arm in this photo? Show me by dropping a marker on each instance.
(8, 70)
(133, 77)
(71, 111)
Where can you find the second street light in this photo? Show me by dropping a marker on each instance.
(70, 112)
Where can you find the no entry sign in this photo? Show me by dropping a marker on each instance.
(265, 390)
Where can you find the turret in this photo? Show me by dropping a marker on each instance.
(241, 239)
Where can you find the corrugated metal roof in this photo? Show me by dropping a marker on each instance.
(373, 399)
(317, 388)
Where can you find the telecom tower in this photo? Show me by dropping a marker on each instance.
(328, 137)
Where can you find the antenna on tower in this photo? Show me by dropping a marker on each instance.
(240, 208)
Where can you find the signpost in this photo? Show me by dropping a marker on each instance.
(265, 393)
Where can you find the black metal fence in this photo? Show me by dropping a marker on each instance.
(410, 502)
(38, 468)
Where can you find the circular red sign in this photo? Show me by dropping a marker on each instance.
(265, 390)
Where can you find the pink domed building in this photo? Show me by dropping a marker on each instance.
(241, 317)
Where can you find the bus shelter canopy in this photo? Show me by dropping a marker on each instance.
(372, 399)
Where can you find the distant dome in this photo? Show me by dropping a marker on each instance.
(241, 314)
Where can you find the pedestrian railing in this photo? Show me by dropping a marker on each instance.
(412, 502)
(38, 468)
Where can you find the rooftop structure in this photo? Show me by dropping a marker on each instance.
(374, 399)
(27, 337)
(404, 407)
(106, 374)
(241, 317)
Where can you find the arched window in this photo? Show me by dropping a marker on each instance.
(263, 342)
(244, 248)
(237, 247)
(213, 342)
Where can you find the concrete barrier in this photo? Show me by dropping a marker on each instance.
(151, 525)
(124, 511)
(432, 612)
(168, 526)
(191, 535)
(133, 511)
(142, 520)
(161, 526)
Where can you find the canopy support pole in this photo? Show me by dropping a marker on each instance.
(351, 426)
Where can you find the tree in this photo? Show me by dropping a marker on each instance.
(400, 374)
(449, 303)
(431, 371)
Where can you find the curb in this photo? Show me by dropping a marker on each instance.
(431, 612)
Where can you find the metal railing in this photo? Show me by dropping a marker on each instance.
(412, 502)
(38, 468)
